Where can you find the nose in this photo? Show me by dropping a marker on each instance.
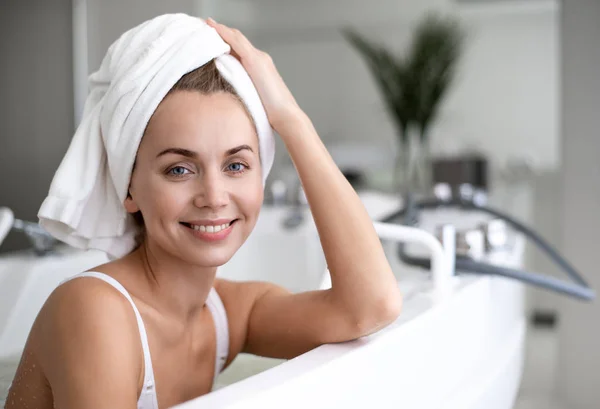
(212, 191)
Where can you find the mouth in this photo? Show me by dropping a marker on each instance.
(209, 229)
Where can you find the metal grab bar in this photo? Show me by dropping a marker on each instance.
(442, 257)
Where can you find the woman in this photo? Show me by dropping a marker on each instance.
(150, 332)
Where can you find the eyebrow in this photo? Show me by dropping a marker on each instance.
(191, 154)
(179, 151)
(237, 149)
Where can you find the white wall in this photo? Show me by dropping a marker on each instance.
(504, 102)
(300, 16)
(579, 361)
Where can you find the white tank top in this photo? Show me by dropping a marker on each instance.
(147, 398)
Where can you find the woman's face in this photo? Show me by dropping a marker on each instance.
(197, 179)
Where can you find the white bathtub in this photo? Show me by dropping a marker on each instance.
(26, 281)
(465, 353)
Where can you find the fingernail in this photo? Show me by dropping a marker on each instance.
(211, 20)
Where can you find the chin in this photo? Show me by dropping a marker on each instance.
(207, 254)
(211, 257)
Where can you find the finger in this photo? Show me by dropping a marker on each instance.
(212, 23)
(236, 55)
(238, 42)
(232, 36)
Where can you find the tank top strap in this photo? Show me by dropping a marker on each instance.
(147, 398)
(219, 314)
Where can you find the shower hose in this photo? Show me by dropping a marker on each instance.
(409, 215)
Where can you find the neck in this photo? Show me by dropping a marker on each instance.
(178, 288)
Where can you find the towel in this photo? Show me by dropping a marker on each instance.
(84, 207)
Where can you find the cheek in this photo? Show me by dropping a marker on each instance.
(159, 198)
(250, 198)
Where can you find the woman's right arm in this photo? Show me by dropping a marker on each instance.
(89, 347)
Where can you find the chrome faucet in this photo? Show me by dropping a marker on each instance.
(41, 241)
(296, 215)
(290, 195)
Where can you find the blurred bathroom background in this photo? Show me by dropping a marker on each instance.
(526, 98)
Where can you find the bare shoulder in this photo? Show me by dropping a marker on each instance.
(239, 298)
(83, 301)
(86, 307)
(86, 323)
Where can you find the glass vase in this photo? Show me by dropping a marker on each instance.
(413, 173)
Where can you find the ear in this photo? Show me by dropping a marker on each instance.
(130, 204)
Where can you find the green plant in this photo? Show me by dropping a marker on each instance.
(414, 86)
(432, 63)
(389, 73)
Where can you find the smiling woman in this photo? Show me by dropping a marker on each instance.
(154, 327)
(200, 149)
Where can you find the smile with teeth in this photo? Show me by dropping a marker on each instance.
(209, 229)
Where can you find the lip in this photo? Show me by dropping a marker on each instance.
(211, 237)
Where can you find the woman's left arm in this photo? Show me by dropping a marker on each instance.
(364, 296)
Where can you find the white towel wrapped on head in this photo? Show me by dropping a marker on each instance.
(84, 206)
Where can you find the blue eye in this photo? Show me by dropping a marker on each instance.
(237, 167)
(177, 171)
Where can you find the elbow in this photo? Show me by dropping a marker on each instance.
(394, 307)
(391, 308)
(383, 313)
